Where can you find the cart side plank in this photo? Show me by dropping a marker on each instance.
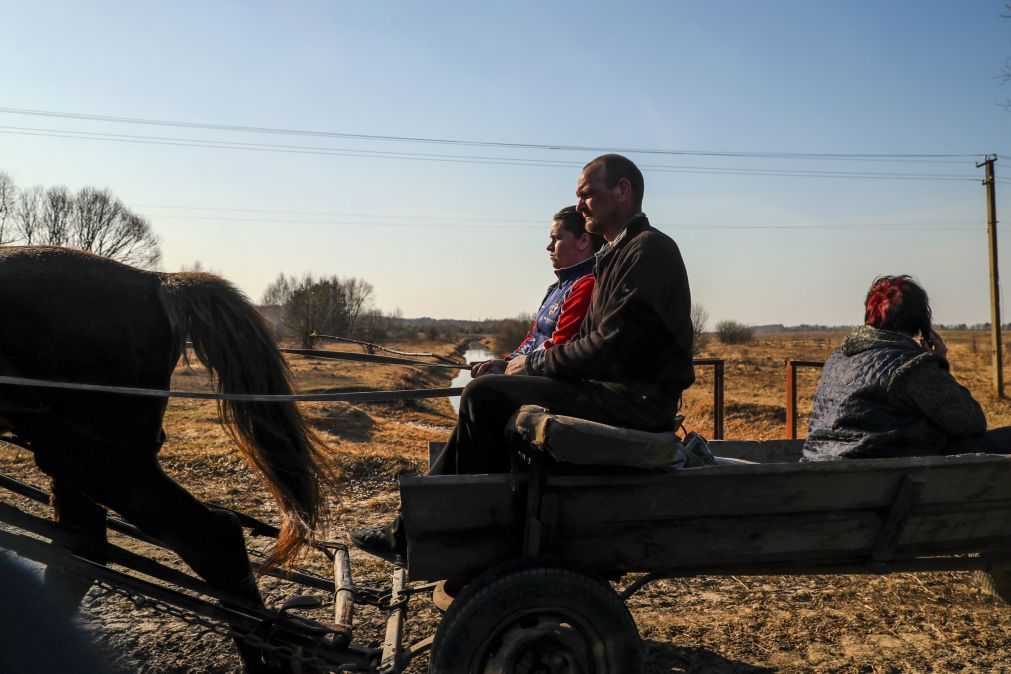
(731, 515)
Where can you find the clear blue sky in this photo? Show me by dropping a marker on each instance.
(465, 239)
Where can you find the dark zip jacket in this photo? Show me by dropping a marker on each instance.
(637, 334)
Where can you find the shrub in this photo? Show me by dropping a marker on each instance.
(700, 320)
(732, 332)
(510, 332)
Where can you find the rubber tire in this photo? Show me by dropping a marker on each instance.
(997, 581)
(496, 601)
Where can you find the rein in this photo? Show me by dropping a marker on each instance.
(379, 347)
(350, 396)
(371, 358)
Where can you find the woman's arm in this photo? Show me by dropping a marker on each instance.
(925, 383)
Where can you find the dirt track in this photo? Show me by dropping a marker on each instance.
(901, 623)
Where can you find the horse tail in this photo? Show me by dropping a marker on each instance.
(231, 338)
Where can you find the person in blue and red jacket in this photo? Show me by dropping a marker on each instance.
(571, 249)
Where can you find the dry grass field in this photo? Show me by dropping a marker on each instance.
(901, 623)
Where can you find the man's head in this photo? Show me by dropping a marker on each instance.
(569, 241)
(610, 192)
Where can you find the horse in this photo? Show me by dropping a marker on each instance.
(72, 316)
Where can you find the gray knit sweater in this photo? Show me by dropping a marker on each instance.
(882, 395)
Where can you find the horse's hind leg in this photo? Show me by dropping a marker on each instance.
(82, 530)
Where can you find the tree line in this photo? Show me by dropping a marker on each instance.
(90, 219)
(310, 306)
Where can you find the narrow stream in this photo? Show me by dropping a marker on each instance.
(476, 351)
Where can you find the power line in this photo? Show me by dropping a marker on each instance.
(477, 143)
(470, 159)
(539, 223)
(338, 215)
(914, 226)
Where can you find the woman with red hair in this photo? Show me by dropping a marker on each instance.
(885, 394)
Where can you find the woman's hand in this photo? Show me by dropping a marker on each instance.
(936, 344)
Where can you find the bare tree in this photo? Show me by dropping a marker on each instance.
(315, 305)
(129, 239)
(28, 215)
(328, 305)
(278, 292)
(95, 211)
(57, 207)
(700, 321)
(102, 225)
(373, 325)
(8, 193)
(357, 297)
(92, 220)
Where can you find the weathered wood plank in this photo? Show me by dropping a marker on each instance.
(725, 495)
(842, 536)
(394, 626)
(344, 599)
(721, 515)
(720, 490)
(650, 547)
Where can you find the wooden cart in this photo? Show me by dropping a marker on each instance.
(532, 552)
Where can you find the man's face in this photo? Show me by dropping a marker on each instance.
(598, 203)
(565, 248)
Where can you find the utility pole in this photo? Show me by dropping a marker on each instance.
(991, 234)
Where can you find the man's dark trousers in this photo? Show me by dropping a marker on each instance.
(479, 443)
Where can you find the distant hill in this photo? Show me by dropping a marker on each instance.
(804, 327)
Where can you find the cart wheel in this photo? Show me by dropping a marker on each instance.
(536, 618)
(997, 581)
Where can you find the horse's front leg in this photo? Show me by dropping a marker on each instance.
(210, 540)
(82, 530)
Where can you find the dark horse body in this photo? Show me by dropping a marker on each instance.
(71, 316)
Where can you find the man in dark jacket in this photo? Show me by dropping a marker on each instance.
(628, 365)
